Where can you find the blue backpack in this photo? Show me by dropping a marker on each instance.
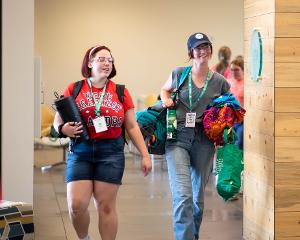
(152, 121)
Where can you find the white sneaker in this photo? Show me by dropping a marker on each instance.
(87, 238)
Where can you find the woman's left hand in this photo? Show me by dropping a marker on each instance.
(146, 165)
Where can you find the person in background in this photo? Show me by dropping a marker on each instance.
(222, 66)
(237, 89)
(95, 167)
(190, 156)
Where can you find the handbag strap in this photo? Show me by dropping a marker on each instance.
(179, 84)
(228, 131)
(184, 74)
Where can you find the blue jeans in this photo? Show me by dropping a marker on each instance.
(239, 129)
(190, 160)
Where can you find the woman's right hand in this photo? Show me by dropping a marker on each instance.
(72, 129)
(168, 103)
(146, 165)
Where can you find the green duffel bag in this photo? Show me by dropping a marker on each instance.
(229, 166)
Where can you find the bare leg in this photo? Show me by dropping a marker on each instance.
(105, 195)
(79, 194)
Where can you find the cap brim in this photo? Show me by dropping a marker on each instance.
(196, 44)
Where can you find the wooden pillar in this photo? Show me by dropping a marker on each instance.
(272, 123)
(258, 222)
(287, 120)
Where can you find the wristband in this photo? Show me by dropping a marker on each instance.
(60, 134)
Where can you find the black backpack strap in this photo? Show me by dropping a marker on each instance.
(119, 89)
(77, 88)
(120, 92)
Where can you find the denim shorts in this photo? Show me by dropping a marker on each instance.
(101, 160)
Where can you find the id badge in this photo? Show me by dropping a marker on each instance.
(100, 124)
(190, 119)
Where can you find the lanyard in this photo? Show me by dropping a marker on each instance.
(200, 94)
(97, 103)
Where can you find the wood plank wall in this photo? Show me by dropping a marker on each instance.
(287, 120)
(258, 220)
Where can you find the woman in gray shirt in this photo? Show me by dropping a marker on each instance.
(190, 155)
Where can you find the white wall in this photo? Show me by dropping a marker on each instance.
(147, 38)
(17, 99)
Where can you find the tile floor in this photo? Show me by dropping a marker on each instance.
(144, 207)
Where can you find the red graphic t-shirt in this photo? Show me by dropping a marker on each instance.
(111, 108)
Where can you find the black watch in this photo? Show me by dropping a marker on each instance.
(60, 134)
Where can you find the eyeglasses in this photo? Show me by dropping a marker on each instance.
(102, 59)
(203, 46)
(234, 69)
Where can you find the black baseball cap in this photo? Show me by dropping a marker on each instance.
(196, 39)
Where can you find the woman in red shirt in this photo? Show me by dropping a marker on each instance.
(237, 79)
(237, 88)
(95, 167)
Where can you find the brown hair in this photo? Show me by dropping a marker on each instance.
(90, 53)
(224, 55)
(239, 61)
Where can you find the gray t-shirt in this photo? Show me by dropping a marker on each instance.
(217, 86)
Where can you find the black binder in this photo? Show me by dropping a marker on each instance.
(69, 112)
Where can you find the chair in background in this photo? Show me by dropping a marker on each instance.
(145, 101)
(49, 151)
(47, 117)
(150, 100)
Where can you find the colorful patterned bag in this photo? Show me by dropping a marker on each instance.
(222, 113)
